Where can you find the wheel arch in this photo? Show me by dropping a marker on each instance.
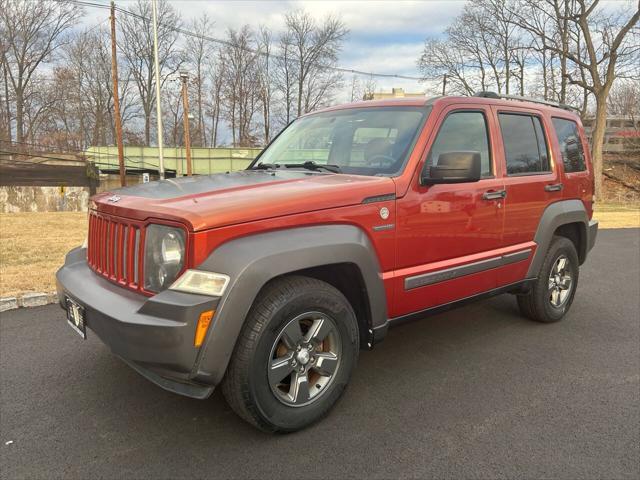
(347, 278)
(576, 232)
(253, 261)
(567, 218)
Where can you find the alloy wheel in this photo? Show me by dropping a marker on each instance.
(560, 281)
(304, 359)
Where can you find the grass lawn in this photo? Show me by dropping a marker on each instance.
(33, 245)
(616, 215)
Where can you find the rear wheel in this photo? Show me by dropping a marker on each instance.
(294, 356)
(552, 293)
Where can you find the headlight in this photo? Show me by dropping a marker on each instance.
(164, 251)
(204, 283)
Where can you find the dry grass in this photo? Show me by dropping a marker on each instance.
(33, 245)
(615, 215)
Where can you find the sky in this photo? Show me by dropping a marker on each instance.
(384, 36)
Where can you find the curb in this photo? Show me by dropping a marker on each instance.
(27, 300)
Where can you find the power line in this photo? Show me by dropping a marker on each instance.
(247, 49)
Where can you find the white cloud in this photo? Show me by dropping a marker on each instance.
(385, 36)
(403, 17)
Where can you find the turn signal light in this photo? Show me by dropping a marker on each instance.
(203, 325)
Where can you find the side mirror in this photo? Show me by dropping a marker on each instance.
(453, 167)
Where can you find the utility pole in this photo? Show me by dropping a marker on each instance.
(154, 9)
(184, 75)
(116, 97)
(444, 85)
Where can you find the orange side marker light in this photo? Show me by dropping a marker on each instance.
(203, 325)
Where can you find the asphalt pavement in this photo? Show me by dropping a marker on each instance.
(477, 392)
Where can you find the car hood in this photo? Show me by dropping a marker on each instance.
(217, 200)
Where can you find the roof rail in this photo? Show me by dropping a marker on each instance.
(488, 94)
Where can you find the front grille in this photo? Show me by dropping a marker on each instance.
(115, 249)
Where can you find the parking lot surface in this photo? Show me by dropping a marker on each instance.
(477, 392)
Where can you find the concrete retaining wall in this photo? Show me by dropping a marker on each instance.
(43, 199)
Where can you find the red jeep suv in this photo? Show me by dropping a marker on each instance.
(355, 218)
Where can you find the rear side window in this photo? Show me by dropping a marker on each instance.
(525, 147)
(463, 132)
(570, 145)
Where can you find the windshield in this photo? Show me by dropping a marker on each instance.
(360, 141)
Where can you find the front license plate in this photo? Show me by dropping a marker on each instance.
(75, 317)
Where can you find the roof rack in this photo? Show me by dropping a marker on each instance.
(488, 94)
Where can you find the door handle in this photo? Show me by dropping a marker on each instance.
(554, 187)
(494, 195)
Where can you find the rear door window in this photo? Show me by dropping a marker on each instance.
(525, 147)
(570, 145)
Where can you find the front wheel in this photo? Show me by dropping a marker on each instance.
(294, 356)
(552, 293)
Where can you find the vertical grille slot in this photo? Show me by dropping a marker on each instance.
(136, 258)
(114, 249)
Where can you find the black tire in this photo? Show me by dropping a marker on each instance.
(246, 385)
(537, 303)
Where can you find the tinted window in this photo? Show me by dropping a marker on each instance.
(525, 148)
(570, 145)
(463, 132)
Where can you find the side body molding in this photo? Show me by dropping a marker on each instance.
(555, 215)
(252, 261)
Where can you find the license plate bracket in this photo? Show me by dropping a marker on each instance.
(76, 317)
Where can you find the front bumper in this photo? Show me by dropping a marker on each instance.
(153, 335)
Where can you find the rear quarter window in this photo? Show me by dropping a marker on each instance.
(570, 144)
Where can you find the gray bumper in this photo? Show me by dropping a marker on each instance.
(592, 233)
(153, 335)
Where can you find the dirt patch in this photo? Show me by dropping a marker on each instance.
(621, 179)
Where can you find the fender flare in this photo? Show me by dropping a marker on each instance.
(254, 260)
(555, 215)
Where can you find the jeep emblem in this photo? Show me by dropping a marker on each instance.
(114, 199)
(384, 213)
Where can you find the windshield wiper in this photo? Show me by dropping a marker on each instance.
(310, 165)
(265, 166)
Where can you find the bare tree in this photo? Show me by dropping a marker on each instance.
(355, 90)
(216, 77)
(285, 81)
(241, 84)
(137, 47)
(611, 43)
(172, 110)
(198, 51)
(31, 32)
(482, 50)
(88, 59)
(5, 115)
(265, 79)
(314, 49)
(440, 58)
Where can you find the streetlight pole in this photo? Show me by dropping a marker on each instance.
(116, 97)
(154, 9)
(184, 75)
